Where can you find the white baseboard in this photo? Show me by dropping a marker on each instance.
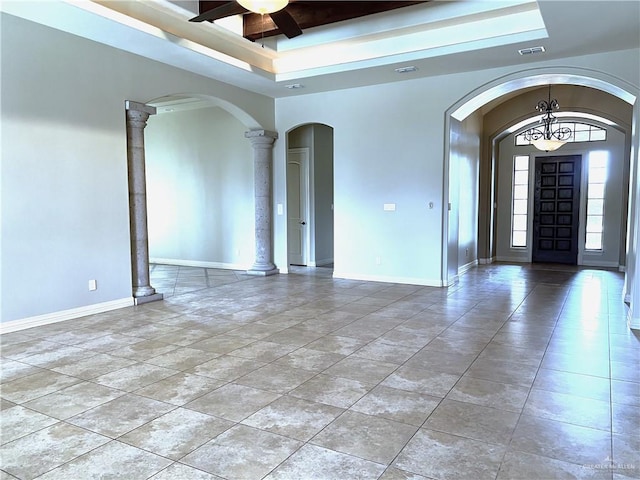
(199, 263)
(596, 263)
(452, 281)
(467, 267)
(54, 317)
(513, 259)
(389, 279)
(323, 262)
(320, 263)
(633, 320)
(486, 261)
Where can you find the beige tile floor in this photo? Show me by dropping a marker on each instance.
(517, 372)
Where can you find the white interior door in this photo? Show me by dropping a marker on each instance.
(298, 205)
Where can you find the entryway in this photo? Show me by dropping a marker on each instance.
(310, 196)
(556, 209)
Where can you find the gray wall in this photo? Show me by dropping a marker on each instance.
(65, 217)
(200, 189)
(468, 170)
(64, 196)
(323, 193)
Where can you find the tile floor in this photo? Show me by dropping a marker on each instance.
(517, 372)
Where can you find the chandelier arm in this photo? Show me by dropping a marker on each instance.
(561, 134)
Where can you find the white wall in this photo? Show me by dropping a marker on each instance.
(385, 151)
(323, 193)
(389, 148)
(613, 208)
(319, 140)
(65, 213)
(64, 197)
(469, 161)
(200, 189)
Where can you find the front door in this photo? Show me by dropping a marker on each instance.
(298, 205)
(556, 209)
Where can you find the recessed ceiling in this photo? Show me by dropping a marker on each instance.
(294, 17)
(436, 37)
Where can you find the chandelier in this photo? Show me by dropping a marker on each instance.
(544, 137)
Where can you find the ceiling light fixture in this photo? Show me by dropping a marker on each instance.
(263, 7)
(545, 138)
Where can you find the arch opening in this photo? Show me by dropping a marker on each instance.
(486, 98)
(309, 196)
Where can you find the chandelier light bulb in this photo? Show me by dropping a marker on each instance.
(263, 6)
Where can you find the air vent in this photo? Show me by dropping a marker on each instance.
(407, 69)
(294, 86)
(531, 50)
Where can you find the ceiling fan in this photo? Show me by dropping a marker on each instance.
(281, 18)
(295, 16)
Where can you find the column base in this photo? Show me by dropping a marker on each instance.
(143, 291)
(147, 298)
(263, 273)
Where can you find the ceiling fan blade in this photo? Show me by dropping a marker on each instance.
(285, 22)
(226, 10)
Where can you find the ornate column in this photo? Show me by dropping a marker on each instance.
(262, 143)
(137, 115)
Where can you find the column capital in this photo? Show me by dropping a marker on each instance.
(130, 105)
(264, 137)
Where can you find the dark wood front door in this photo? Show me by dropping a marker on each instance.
(556, 209)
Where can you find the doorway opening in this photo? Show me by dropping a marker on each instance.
(556, 209)
(310, 233)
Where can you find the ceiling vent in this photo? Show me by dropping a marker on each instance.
(531, 50)
(407, 69)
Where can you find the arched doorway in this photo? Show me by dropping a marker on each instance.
(199, 188)
(505, 87)
(594, 222)
(310, 196)
(478, 102)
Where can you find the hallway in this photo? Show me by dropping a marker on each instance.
(517, 372)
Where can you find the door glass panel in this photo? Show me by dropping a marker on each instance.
(595, 207)
(520, 222)
(596, 180)
(520, 207)
(521, 178)
(520, 196)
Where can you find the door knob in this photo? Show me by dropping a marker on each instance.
(303, 223)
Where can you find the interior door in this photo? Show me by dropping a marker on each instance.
(556, 209)
(298, 205)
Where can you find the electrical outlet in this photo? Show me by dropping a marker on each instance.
(93, 285)
(378, 261)
(466, 252)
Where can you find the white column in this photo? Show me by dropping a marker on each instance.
(262, 142)
(632, 275)
(137, 115)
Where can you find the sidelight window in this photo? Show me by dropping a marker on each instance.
(597, 177)
(520, 190)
